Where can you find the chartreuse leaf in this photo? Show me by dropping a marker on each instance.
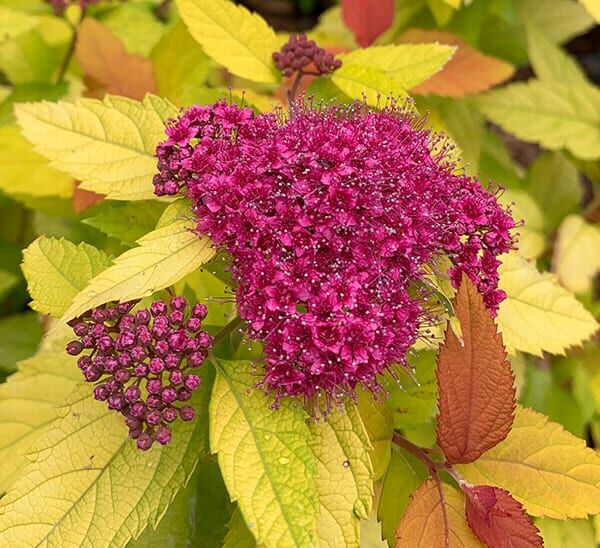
(108, 145)
(163, 257)
(408, 64)
(28, 402)
(13, 23)
(23, 171)
(56, 270)
(265, 458)
(238, 536)
(538, 314)
(593, 8)
(554, 114)
(239, 40)
(531, 240)
(577, 253)
(89, 485)
(550, 471)
(369, 83)
(379, 422)
(344, 471)
(567, 534)
(403, 476)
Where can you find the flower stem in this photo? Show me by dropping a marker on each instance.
(70, 50)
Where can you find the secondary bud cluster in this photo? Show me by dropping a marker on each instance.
(143, 361)
(299, 52)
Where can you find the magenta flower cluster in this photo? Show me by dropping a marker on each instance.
(298, 53)
(143, 362)
(333, 218)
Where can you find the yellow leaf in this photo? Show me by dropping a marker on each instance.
(29, 400)
(454, 3)
(549, 470)
(369, 83)
(239, 40)
(13, 23)
(163, 257)
(531, 241)
(566, 534)
(538, 314)
(593, 8)
(109, 145)
(577, 253)
(344, 472)
(265, 458)
(379, 422)
(89, 485)
(555, 114)
(56, 270)
(408, 64)
(23, 171)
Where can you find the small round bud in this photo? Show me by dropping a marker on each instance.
(176, 377)
(169, 395)
(183, 394)
(144, 441)
(169, 414)
(81, 329)
(154, 418)
(178, 303)
(156, 366)
(192, 382)
(101, 393)
(74, 348)
(187, 413)
(158, 308)
(199, 311)
(122, 376)
(154, 386)
(163, 435)
(142, 317)
(132, 394)
(116, 401)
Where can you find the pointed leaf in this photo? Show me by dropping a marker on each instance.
(367, 19)
(109, 146)
(476, 384)
(265, 458)
(88, 484)
(344, 472)
(554, 114)
(365, 82)
(538, 314)
(103, 57)
(56, 270)
(239, 40)
(423, 525)
(547, 469)
(163, 257)
(484, 71)
(497, 519)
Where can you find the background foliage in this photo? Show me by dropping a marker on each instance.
(83, 102)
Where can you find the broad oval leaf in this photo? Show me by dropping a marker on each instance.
(265, 457)
(163, 257)
(88, 485)
(538, 314)
(423, 524)
(108, 145)
(549, 470)
(56, 270)
(367, 19)
(476, 392)
(239, 40)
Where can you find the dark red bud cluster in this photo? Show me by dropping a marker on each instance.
(142, 362)
(299, 52)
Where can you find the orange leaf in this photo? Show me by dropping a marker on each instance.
(105, 61)
(469, 71)
(429, 522)
(84, 199)
(367, 19)
(498, 519)
(476, 400)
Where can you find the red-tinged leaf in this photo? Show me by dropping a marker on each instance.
(435, 520)
(84, 199)
(476, 400)
(498, 519)
(469, 71)
(106, 63)
(367, 19)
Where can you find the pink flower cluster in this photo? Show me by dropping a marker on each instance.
(333, 219)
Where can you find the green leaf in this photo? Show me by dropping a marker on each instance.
(179, 64)
(28, 402)
(408, 64)
(538, 314)
(239, 40)
(7, 282)
(89, 485)
(402, 478)
(34, 91)
(265, 458)
(13, 23)
(56, 270)
(163, 257)
(577, 253)
(379, 422)
(344, 473)
(19, 338)
(23, 171)
(554, 183)
(531, 241)
(554, 114)
(126, 221)
(108, 145)
(549, 61)
(566, 534)
(239, 536)
(369, 83)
